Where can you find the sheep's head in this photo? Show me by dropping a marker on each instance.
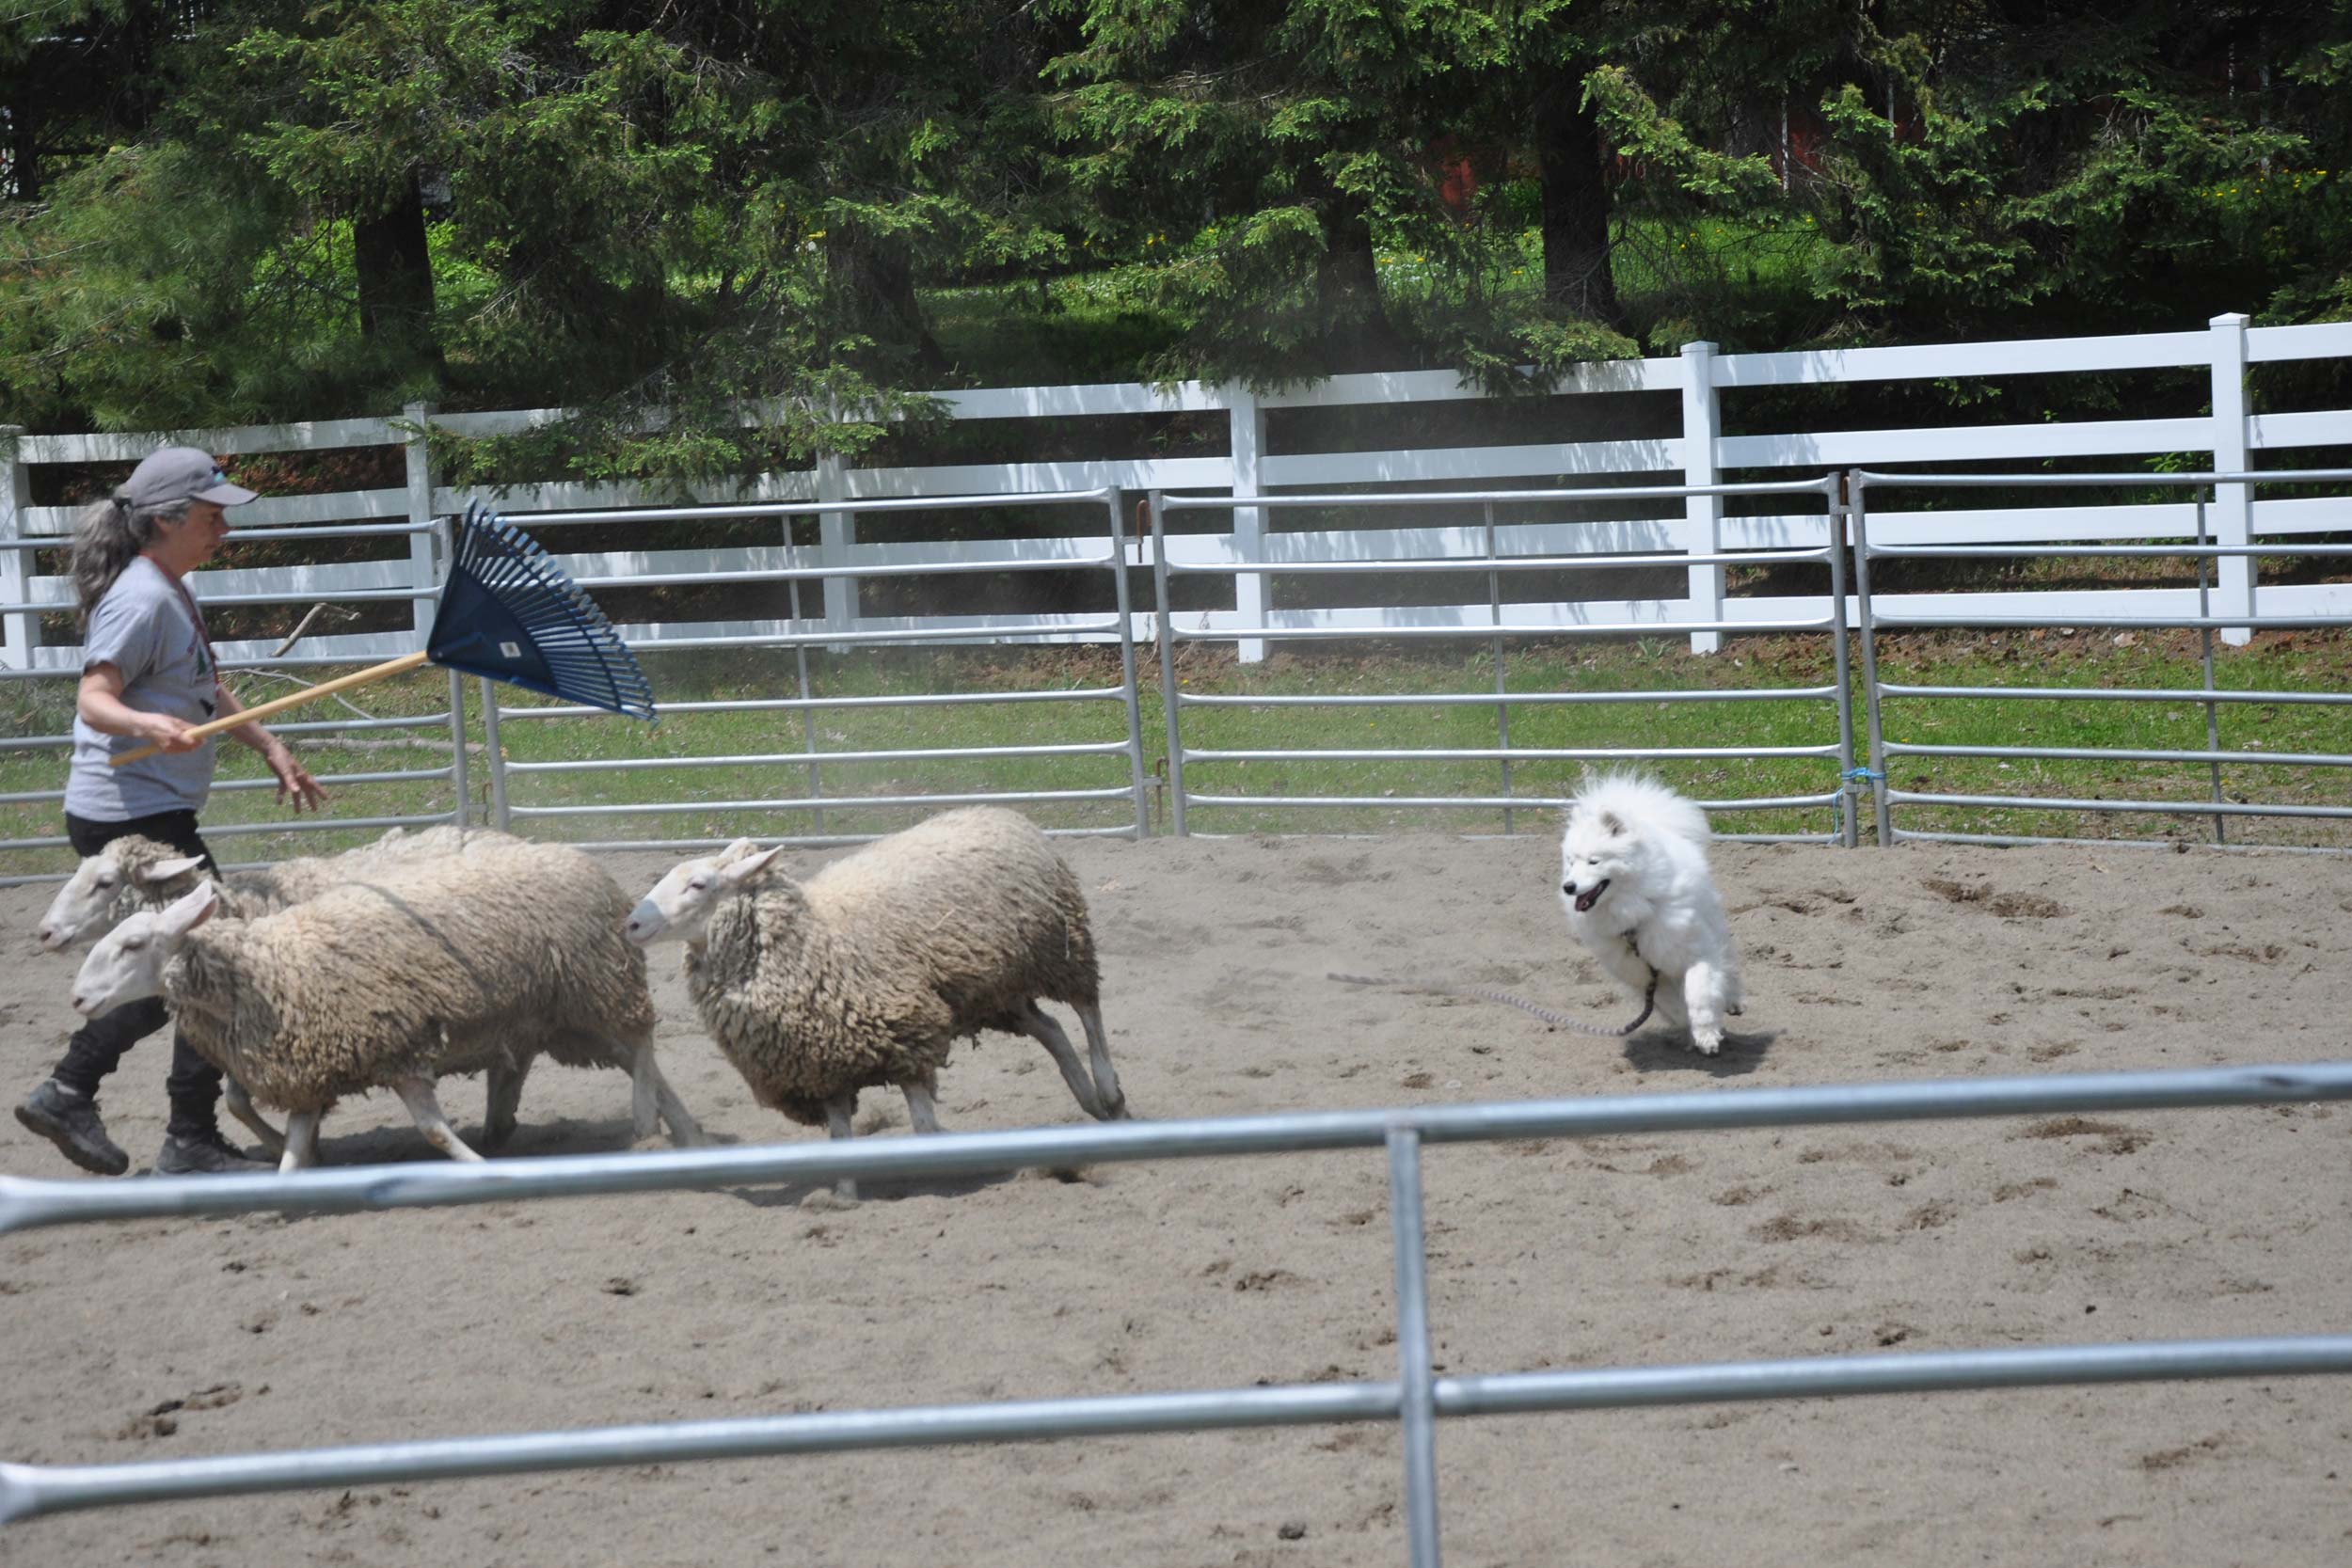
(128, 962)
(678, 907)
(132, 867)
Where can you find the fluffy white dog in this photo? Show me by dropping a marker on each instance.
(1639, 897)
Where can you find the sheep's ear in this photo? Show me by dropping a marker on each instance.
(163, 871)
(185, 914)
(736, 873)
(736, 852)
(1610, 825)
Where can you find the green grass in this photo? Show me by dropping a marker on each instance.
(2289, 661)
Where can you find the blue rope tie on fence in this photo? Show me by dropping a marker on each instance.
(1870, 773)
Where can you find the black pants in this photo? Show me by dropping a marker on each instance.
(99, 1046)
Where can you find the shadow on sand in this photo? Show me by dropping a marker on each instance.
(1669, 1051)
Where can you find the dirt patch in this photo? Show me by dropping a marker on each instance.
(1225, 1273)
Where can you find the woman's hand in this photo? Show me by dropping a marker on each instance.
(170, 733)
(296, 786)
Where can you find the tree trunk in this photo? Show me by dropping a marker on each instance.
(876, 290)
(1569, 157)
(1355, 331)
(395, 271)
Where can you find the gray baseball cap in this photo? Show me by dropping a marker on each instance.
(181, 474)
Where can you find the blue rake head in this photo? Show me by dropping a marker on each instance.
(509, 613)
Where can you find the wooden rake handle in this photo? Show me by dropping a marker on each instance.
(385, 671)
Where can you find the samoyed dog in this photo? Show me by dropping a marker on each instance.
(1639, 897)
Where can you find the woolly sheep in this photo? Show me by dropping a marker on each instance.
(135, 872)
(866, 973)
(426, 968)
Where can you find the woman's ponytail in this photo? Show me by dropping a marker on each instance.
(107, 537)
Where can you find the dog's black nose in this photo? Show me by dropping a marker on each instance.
(1568, 888)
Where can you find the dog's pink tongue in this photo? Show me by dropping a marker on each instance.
(1585, 900)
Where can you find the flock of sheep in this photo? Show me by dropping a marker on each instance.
(456, 951)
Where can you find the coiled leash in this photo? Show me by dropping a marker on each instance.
(1561, 1021)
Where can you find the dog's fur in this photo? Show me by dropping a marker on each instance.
(1638, 894)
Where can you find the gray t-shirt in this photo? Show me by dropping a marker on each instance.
(148, 630)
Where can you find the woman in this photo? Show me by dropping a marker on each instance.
(147, 675)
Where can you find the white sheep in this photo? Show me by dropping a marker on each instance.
(132, 873)
(866, 973)
(135, 872)
(425, 968)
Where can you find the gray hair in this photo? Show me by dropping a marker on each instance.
(107, 537)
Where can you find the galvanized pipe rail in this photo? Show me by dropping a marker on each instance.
(1872, 614)
(1508, 753)
(505, 811)
(1415, 1399)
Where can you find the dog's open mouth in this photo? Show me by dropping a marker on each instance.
(1585, 900)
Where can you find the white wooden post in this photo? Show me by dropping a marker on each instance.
(1703, 515)
(2232, 515)
(422, 570)
(836, 533)
(1247, 420)
(22, 629)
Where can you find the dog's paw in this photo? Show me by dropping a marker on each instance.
(1709, 1041)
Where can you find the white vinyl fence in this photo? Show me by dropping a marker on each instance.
(1655, 421)
(1643, 475)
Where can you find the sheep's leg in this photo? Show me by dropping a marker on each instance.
(1106, 1091)
(417, 1094)
(505, 1096)
(1041, 1027)
(685, 1131)
(241, 1106)
(302, 1142)
(644, 1109)
(838, 1110)
(922, 1108)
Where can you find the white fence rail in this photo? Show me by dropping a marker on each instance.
(1661, 420)
(1415, 1398)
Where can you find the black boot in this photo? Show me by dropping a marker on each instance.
(205, 1153)
(69, 1120)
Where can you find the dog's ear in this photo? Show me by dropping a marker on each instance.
(1610, 825)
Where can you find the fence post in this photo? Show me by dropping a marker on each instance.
(1171, 690)
(458, 784)
(836, 533)
(1416, 1383)
(1131, 692)
(1703, 515)
(20, 630)
(2233, 504)
(422, 570)
(494, 754)
(1248, 422)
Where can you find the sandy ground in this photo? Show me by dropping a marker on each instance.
(146, 1339)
